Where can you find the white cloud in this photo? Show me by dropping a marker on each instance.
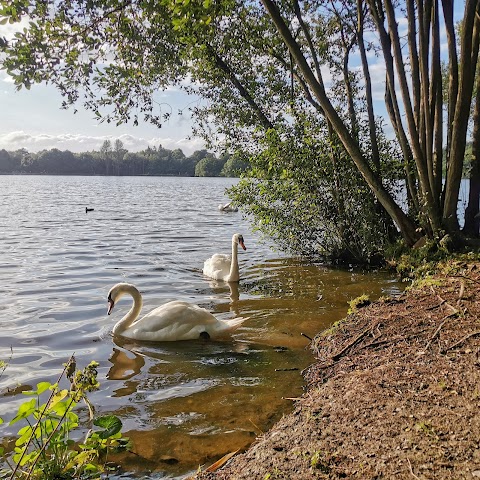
(82, 143)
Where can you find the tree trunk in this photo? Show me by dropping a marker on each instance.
(368, 87)
(430, 206)
(469, 47)
(436, 111)
(452, 75)
(471, 227)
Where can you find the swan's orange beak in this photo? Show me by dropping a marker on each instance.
(110, 307)
(242, 244)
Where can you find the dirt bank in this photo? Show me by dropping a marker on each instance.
(395, 393)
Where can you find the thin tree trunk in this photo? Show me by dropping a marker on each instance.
(412, 193)
(348, 86)
(368, 87)
(469, 48)
(391, 102)
(415, 69)
(432, 212)
(452, 76)
(222, 65)
(436, 110)
(471, 227)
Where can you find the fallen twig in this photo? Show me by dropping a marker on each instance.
(462, 292)
(438, 304)
(456, 344)
(437, 331)
(466, 278)
(411, 469)
(352, 343)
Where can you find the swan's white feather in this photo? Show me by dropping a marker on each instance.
(227, 208)
(217, 266)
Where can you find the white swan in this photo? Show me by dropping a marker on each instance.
(172, 321)
(227, 207)
(225, 267)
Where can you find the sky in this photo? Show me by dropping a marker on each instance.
(33, 119)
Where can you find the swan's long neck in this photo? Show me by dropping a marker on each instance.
(133, 313)
(234, 274)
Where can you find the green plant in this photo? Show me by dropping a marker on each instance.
(44, 449)
(359, 302)
(3, 366)
(316, 461)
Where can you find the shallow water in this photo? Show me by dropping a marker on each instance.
(182, 403)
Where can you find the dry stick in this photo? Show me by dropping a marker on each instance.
(466, 337)
(439, 328)
(351, 344)
(461, 293)
(438, 305)
(319, 367)
(375, 343)
(444, 301)
(411, 469)
(454, 312)
(40, 418)
(466, 278)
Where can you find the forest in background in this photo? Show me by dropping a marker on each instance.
(114, 159)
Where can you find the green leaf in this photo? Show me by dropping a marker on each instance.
(24, 410)
(42, 387)
(25, 434)
(110, 423)
(58, 397)
(81, 460)
(61, 407)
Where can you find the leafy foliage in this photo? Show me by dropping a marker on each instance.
(44, 449)
(301, 192)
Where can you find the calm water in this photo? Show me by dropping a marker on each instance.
(183, 404)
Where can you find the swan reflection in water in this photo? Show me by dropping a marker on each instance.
(233, 291)
(125, 367)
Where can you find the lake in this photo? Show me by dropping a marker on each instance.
(183, 404)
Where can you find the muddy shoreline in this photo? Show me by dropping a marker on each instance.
(394, 393)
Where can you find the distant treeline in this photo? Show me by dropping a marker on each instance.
(117, 160)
